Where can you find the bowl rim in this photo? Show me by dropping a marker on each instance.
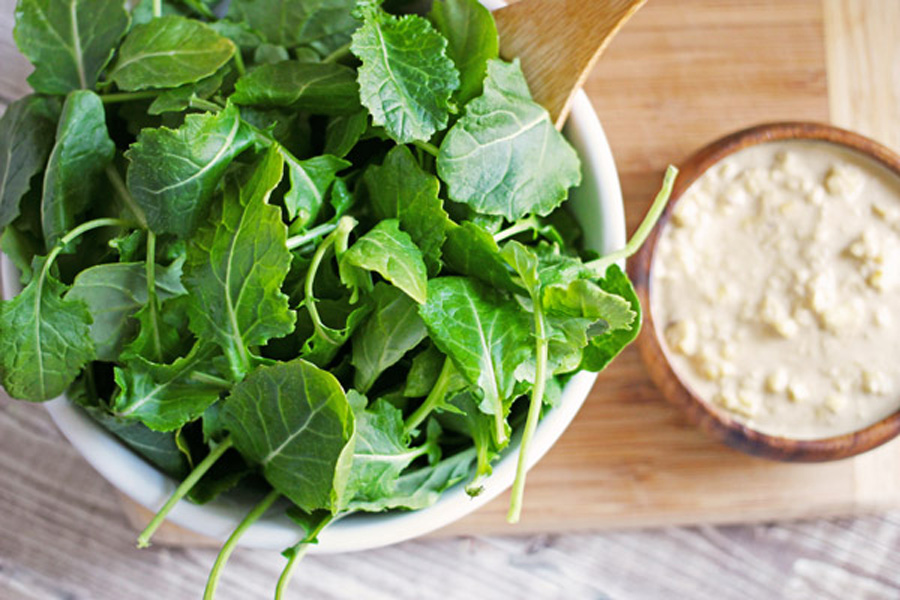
(709, 418)
(147, 486)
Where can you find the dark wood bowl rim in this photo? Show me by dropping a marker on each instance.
(705, 415)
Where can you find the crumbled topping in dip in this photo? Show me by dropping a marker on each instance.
(776, 285)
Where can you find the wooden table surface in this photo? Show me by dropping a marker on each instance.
(63, 534)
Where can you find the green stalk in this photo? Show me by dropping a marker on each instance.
(428, 147)
(534, 412)
(157, 8)
(435, 397)
(340, 232)
(338, 54)
(151, 294)
(74, 234)
(299, 551)
(298, 241)
(519, 227)
(239, 63)
(600, 265)
(231, 543)
(212, 380)
(205, 105)
(128, 96)
(122, 190)
(181, 491)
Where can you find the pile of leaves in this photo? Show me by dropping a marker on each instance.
(311, 249)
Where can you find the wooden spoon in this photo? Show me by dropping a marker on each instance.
(558, 42)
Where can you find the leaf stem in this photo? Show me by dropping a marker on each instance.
(239, 62)
(231, 543)
(201, 377)
(122, 190)
(75, 233)
(427, 147)
(204, 105)
(157, 8)
(151, 294)
(297, 553)
(298, 241)
(527, 224)
(534, 412)
(338, 54)
(343, 226)
(181, 491)
(128, 96)
(600, 265)
(435, 397)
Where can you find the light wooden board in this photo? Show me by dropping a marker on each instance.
(681, 74)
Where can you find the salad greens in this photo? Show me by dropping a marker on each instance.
(316, 250)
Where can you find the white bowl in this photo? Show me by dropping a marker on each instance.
(597, 204)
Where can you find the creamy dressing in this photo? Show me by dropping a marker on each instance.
(776, 289)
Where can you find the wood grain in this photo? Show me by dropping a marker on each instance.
(558, 43)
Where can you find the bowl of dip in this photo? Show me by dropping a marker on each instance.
(772, 292)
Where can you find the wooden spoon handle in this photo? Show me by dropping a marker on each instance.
(558, 42)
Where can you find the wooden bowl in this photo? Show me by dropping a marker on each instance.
(708, 417)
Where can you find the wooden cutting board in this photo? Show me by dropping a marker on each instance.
(682, 73)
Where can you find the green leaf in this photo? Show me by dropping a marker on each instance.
(179, 99)
(472, 251)
(236, 266)
(422, 488)
(168, 52)
(472, 35)
(44, 339)
(381, 453)
(323, 24)
(269, 54)
(68, 42)
(142, 12)
(392, 254)
(165, 397)
(343, 132)
(394, 329)
(20, 247)
(565, 332)
(320, 88)
(470, 421)
(340, 320)
(582, 298)
(505, 157)
(424, 372)
(294, 421)
(485, 335)
(240, 33)
(113, 294)
(605, 347)
(406, 77)
(157, 447)
(310, 182)
(174, 172)
(161, 337)
(82, 151)
(27, 131)
(226, 474)
(401, 189)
